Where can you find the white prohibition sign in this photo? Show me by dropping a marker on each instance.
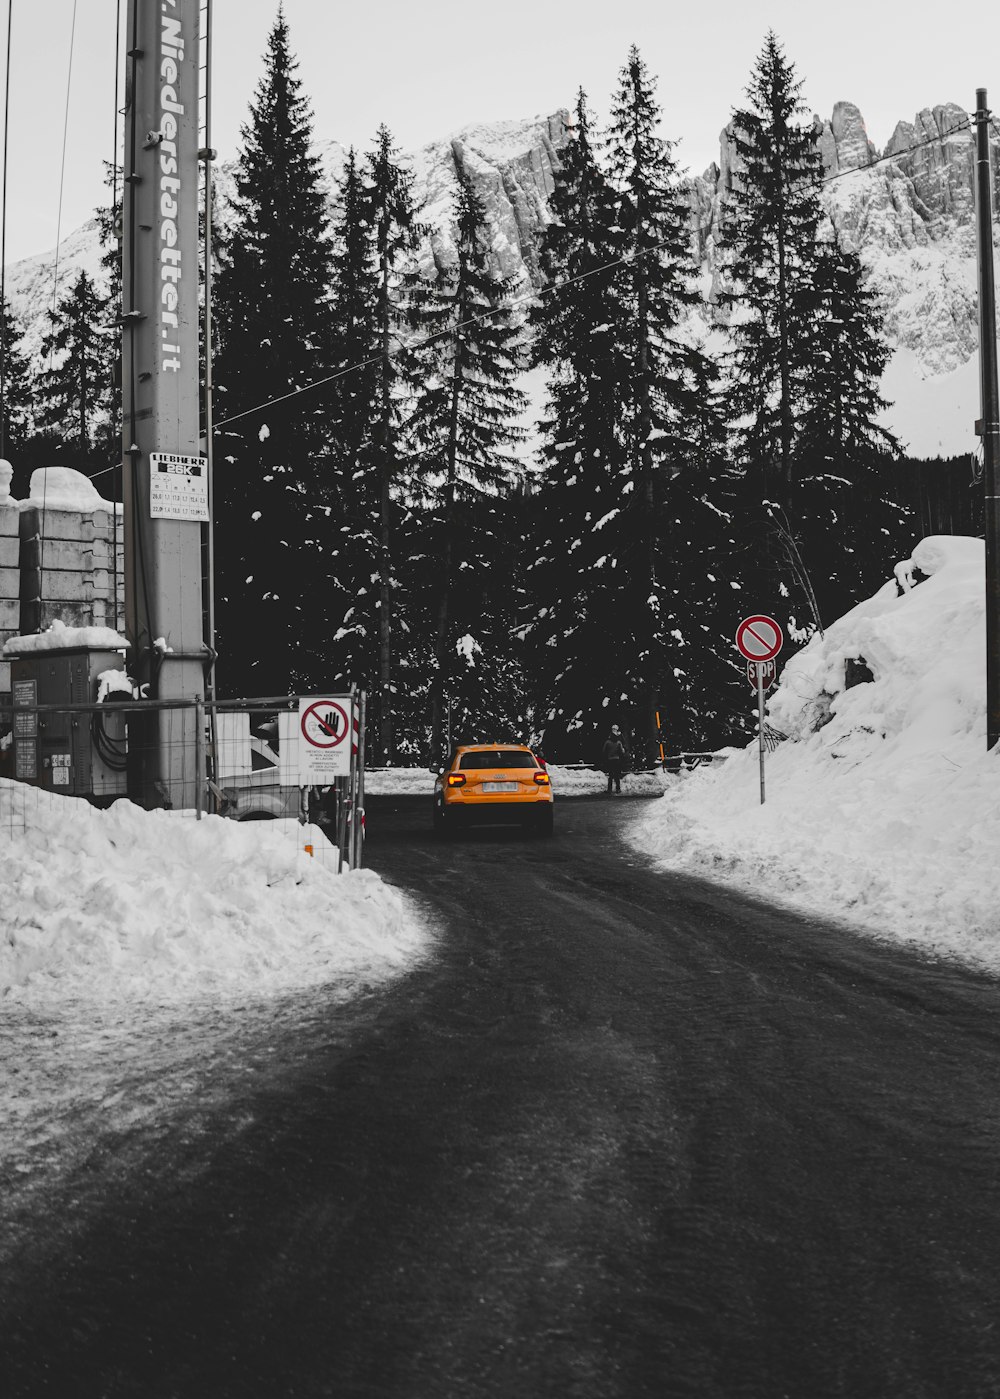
(759, 638)
(324, 739)
(325, 724)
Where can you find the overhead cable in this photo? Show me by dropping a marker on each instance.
(534, 295)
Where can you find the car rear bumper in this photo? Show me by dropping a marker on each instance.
(487, 813)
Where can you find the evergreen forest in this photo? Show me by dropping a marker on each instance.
(383, 520)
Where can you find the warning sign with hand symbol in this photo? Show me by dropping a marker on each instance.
(324, 745)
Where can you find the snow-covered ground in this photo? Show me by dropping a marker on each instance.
(566, 782)
(883, 807)
(156, 908)
(146, 957)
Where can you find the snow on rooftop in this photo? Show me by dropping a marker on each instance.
(883, 805)
(62, 488)
(59, 637)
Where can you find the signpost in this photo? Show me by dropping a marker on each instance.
(325, 730)
(759, 640)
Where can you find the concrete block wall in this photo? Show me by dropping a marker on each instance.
(10, 584)
(67, 571)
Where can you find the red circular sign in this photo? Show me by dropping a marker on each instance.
(759, 638)
(324, 724)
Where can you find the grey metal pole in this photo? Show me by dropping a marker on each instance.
(989, 426)
(160, 395)
(208, 155)
(760, 723)
(199, 709)
(352, 784)
(359, 833)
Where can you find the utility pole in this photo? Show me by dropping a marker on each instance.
(989, 425)
(165, 486)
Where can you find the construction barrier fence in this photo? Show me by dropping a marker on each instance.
(239, 759)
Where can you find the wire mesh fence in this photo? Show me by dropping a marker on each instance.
(237, 759)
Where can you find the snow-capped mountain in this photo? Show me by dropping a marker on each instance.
(909, 214)
(909, 217)
(907, 211)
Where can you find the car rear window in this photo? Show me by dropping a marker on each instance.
(497, 758)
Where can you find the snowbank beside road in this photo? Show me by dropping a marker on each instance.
(883, 807)
(149, 963)
(566, 781)
(126, 905)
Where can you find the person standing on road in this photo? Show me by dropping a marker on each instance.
(614, 758)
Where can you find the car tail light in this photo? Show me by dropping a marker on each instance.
(542, 778)
(456, 779)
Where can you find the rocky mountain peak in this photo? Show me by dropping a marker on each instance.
(908, 212)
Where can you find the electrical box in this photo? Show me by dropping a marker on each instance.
(70, 752)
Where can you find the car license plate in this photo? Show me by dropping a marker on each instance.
(499, 786)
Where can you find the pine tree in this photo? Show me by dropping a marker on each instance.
(16, 399)
(843, 502)
(672, 438)
(109, 232)
(808, 355)
(769, 238)
(354, 603)
(76, 383)
(274, 339)
(109, 227)
(395, 232)
(466, 359)
(569, 642)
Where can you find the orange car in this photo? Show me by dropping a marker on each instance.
(488, 783)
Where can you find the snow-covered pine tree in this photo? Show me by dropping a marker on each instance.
(354, 609)
(663, 533)
(109, 232)
(273, 497)
(854, 529)
(768, 241)
(75, 401)
(396, 234)
(16, 399)
(571, 648)
(465, 359)
(109, 228)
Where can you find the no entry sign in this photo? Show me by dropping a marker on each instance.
(324, 739)
(759, 638)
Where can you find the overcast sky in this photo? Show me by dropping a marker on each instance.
(428, 69)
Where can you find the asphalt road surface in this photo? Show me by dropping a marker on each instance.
(625, 1134)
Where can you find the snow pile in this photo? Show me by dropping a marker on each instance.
(156, 908)
(62, 488)
(566, 782)
(883, 808)
(59, 637)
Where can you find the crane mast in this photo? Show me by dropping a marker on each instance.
(165, 487)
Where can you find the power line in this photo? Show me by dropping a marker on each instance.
(55, 274)
(62, 166)
(896, 155)
(3, 246)
(558, 286)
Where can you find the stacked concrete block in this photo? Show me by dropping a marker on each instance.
(71, 568)
(10, 585)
